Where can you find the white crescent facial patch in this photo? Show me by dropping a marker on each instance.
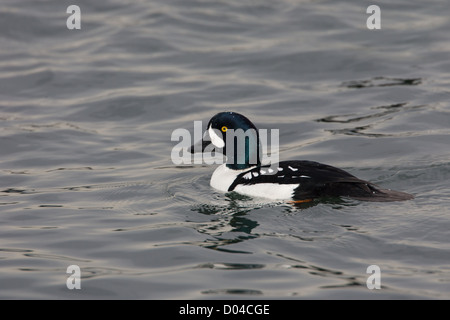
(215, 139)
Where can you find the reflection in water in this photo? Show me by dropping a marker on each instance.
(230, 223)
(233, 291)
(231, 266)
(382, 82)
(345, 280)
(379, 115)
(357, 118)
(359, 131)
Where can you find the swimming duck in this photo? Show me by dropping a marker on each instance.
(294, 180)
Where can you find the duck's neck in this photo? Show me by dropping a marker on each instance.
(242, 157)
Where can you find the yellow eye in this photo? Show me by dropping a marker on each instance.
(224, 129)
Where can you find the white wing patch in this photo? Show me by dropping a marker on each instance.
(293, 169)
(247, 176)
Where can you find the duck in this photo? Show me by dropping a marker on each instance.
(297, 181)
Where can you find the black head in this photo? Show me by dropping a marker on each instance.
(237, 136)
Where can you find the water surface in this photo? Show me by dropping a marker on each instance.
(86, 176)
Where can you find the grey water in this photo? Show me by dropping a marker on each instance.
(86, 176)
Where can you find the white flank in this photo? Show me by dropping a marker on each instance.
(272, 191)
(248, 176)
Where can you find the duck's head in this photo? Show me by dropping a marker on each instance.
(238, 138)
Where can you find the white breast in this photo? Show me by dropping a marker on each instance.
(223, 177)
